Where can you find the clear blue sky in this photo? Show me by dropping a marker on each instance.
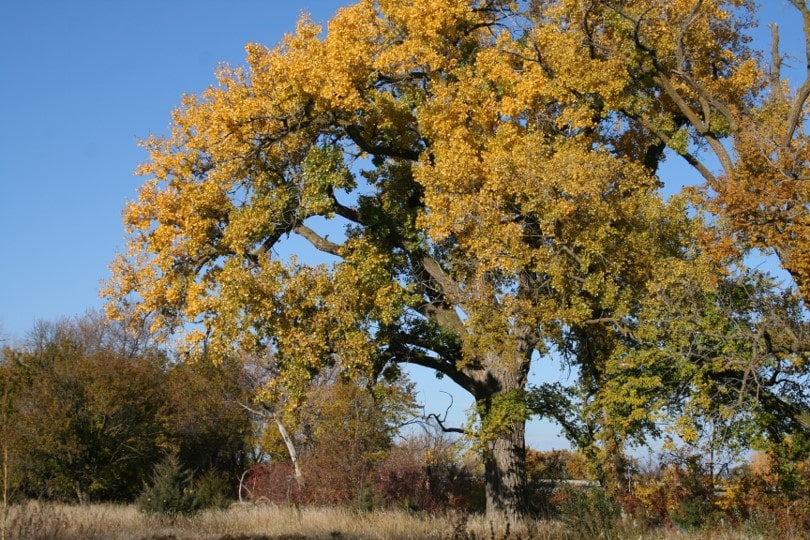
(80, 82)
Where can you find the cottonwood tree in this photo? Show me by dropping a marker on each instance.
(486, 171)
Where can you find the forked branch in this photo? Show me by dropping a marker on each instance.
(440, 420)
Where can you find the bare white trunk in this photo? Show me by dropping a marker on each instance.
(299, 477)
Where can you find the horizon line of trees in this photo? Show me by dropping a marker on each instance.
(91, 412)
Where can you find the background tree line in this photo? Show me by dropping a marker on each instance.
(90, 409)
(92, 413)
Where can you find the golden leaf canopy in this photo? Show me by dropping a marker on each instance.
(487, 171)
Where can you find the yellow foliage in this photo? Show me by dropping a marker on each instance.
(495, 170)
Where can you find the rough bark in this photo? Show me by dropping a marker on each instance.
(505, 474)
(505, 453)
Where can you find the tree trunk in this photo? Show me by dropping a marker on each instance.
(299, 476)
(505, 449)
(505, 474)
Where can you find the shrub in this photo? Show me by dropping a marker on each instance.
(211, 490)
(589, 513)
(171, 492)
(422, 475)
(274, 483)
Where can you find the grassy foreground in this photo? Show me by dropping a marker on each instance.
(41, 521)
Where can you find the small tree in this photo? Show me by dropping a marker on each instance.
(341, 431)
(171, 492)
(349, 429)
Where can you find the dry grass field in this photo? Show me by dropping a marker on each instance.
(38, 521)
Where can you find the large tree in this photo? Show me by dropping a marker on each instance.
(486, 172)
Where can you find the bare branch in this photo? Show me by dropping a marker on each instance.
(804, 92)
(441, 420)
(320, 243)
(775, 74)
(435, 418)
(402, 352)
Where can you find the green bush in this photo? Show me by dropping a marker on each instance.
(170, 493)
(590, 513)
(211, 490)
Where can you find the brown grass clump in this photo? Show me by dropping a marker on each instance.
(45, 521)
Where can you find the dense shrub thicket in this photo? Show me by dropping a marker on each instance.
(89, 411)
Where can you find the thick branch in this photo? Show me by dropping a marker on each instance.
(796, 414)
(266, 246)
(618, 324)
(695, 120)
(437, 273)
(444, 316)
(692, 160)
(346, 212)
(404, 354)
(357, 138)
(320, 243)
(708, 102)
(701, 125)
(804, 92)
(299, 476)
(442, 290)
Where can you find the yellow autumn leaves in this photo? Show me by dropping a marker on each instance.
(492, 161)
